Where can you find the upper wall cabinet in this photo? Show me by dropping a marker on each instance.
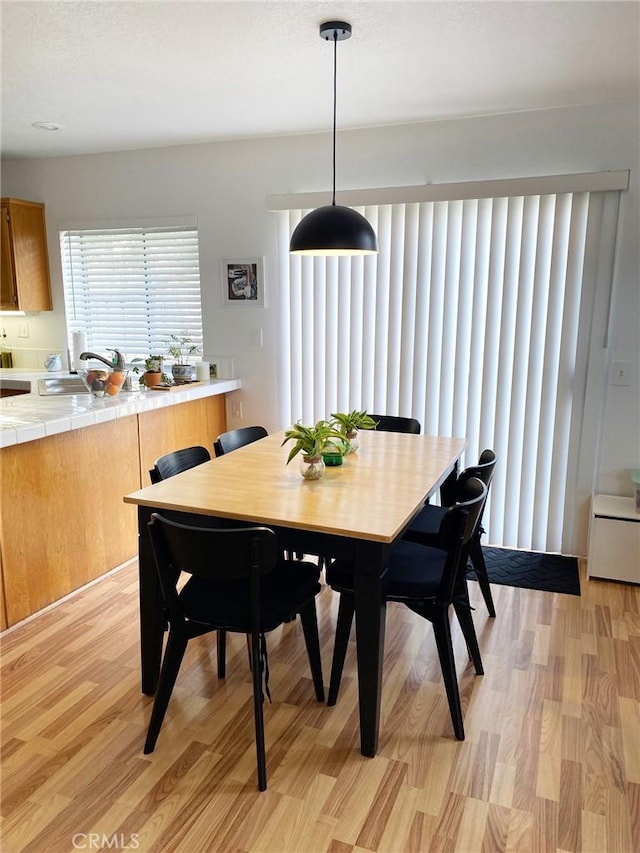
(24, 282)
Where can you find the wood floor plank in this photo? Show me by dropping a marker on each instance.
(630, 724)
(473, 824)
(520, 832)
(496, 829)
(551, 760)
(398, 829)
(594, 833)
(550, 752)
(569, 814)
(382, 806)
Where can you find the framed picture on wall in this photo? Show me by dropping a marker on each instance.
(243, 282)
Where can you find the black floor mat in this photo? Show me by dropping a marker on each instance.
(532, 570)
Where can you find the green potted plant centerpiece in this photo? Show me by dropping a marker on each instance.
(311, 441)
(349, 423)
(181, 347)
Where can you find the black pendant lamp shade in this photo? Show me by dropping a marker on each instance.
(334, 229)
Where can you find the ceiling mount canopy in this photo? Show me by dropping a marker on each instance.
(334, 229)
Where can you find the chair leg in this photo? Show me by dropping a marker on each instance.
(463, 612)
(346, 610)
(309, 619)
(256, 677)
(176, 646)
(222, 653)
(477, 559)
(442, 632)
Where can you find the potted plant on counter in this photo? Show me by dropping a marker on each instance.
(310, 441)
(181, 347)
(349, 423)
(152, 370)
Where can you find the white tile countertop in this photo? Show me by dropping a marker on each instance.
(26, 417)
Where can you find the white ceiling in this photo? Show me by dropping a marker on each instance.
(125, 75)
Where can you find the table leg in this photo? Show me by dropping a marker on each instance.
(370, 622)
(448, 487)
(152, 623)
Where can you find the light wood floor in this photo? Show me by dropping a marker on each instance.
(551, 760)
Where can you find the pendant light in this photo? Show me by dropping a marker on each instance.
(334, 229)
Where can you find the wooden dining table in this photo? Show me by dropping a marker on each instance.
(356, 511)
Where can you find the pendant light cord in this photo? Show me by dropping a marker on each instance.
(335, 77)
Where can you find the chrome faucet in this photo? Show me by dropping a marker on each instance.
(119, 364)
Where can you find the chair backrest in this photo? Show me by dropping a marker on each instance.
(235, 438)
(485, 467)
(395, 423)
(458, 527)
(177, 461)
(225, 555)
(484, 470)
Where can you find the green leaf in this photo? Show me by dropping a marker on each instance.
(351, 421)
(310, 440)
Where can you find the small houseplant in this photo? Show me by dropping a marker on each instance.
(152, 370)
(181, 347)
(349, 423)
(310, 441)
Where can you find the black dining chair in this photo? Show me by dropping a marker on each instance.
(396, 423)
(235, 438)
(237, 583)
(425, 527)
(177, 461)
(428, 581)
(385, 423)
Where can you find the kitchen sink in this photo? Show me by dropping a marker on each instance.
(56, 385)
(13, 387)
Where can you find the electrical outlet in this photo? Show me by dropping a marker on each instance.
(236, 409)
(23, 330)
(621, 373)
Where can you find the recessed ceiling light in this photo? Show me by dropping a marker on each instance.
(46, 125)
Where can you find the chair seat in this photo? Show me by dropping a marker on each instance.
(424, 527)
(426, 524)
(415, 571)
(225, 603)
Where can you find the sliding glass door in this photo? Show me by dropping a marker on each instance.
(477, 317)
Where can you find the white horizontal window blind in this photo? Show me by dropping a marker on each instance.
(130, 288)
(469, 320)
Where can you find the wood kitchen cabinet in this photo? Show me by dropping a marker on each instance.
(63, 521)
(166, 429)
(24, 279)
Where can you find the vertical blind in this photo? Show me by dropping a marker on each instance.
(131, 288)
(468, 320)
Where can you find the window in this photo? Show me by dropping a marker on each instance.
(475, 318)
(130, 288)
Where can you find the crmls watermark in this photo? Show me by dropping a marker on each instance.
(102, 841)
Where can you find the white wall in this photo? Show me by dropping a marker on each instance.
(225, 185)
